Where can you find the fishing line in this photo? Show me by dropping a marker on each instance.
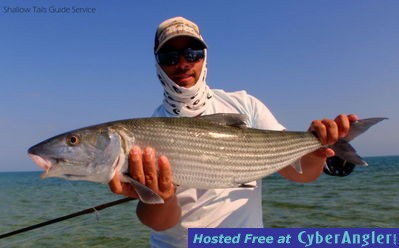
(69, 216)
(84, 199)
(47, 233)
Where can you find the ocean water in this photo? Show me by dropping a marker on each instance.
(369, 197)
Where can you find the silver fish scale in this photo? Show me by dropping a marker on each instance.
(205, 155)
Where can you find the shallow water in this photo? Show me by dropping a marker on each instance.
(369, 197)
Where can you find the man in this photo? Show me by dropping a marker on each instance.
(181, 55)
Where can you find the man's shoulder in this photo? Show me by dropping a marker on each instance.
(240, 95)
(229, 93)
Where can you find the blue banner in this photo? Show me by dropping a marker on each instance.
(293, 237)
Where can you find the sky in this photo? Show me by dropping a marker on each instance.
(305, 60)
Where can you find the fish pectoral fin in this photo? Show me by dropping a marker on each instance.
(145, 194)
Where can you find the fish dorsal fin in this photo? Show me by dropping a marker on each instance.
(230, 119)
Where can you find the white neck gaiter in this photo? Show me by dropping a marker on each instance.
(187, 102)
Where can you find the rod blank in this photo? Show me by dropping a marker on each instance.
(69, 216)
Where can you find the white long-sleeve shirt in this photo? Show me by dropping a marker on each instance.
(232, 207)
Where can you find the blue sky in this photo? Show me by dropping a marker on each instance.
(304, 59)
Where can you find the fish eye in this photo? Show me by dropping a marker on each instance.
(73, 140)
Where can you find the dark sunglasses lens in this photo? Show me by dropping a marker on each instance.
(168, 58)
(172, 57)
(193, 55)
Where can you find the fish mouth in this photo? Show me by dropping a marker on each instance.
(43, 163)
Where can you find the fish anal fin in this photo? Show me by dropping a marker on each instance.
(145, 194)
(244, 185)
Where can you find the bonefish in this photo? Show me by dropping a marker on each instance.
(213, 151)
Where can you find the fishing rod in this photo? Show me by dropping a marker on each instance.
(69, 216)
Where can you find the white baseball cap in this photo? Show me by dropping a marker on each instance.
(174, 27)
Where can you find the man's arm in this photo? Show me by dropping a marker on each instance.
(328, 131)
(142, 167)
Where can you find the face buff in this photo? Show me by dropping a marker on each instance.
(188, 102)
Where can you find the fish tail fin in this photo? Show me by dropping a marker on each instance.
(344, 150)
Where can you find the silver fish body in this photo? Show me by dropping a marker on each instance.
(215, 151)
(205, 155)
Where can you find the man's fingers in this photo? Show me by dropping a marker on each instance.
(319, 129)
(343, 124)
(165, 175)
(149, 166)
(353, 117)
(136, 164)
(331, 131)
(143, 168)
(115, 184)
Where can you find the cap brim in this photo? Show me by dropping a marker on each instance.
(180, 35)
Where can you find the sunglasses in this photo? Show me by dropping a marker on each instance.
(172, 57)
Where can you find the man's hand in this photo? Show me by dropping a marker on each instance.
(328, 132)
(142, 167)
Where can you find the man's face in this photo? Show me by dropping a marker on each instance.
(184, 73)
